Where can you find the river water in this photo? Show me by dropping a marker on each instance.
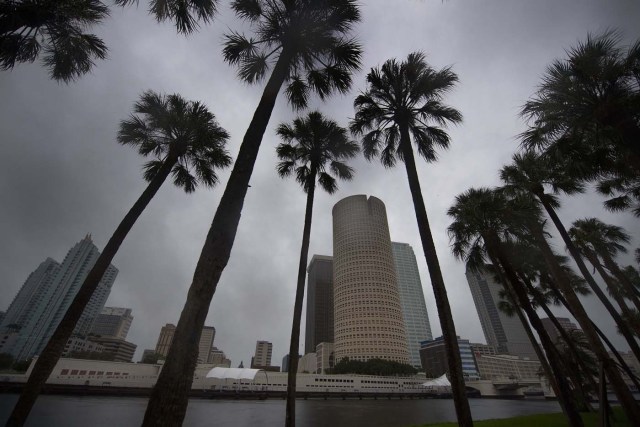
(77, 411)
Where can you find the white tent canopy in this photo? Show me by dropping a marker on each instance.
(441, 381)
(235, 373)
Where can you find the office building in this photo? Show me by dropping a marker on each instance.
(204, 346)
(113, 322)
(308, 364)
(319, 317)
(262, 357)
(325, 357)
(553, 332)
(433, 356)
(81, 345)
(46, 295)
(506, 334)
(414, 308)
(218, 358)
(504, 366)
(367, 310)
(483, 349)
(116, 349)
(206, 343)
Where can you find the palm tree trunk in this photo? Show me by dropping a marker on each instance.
(53, 350)
(449, 335)
(624, 328)
(294, 347)
(630, 291)
(614, 287)
(169, 398)
(494, 247)
(622, 391)
(621, 362)
(572, 347)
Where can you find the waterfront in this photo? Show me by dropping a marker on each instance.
(77, 411)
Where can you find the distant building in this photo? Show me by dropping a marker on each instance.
(147, 353)
(504, 366)
(262, 357)
(119, 349)
(367, 309)
(81, 345)
(204, 347)
(206, 343)
(113, 322)
(483, 349)
(506, 334)
(553, 332)
(308, 364)
(434, 359)
(414, 308)
(46, 295)
(218, 358)
(324, 357)
(319, 317)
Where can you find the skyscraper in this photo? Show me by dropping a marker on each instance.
(319, 323)
(113, 322)
(553, 332)
(47, 294)
(204, 346)
(414, 308)
(262, 357)
(367, 310)
(505, 333)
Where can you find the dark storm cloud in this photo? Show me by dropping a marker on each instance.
(62, 174)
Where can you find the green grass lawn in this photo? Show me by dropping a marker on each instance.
(544, 420)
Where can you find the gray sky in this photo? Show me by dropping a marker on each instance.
(62, 174)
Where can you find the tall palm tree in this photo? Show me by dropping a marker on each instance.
(483, 221)
(186, 142)
(532, 174)
(587, 109)
(314, 149)
(309, 45)
(57, 29)
(403, 102)
(597, 240)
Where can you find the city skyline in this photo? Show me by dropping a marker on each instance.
(64, 134)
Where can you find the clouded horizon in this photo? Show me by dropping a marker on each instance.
(62, 174)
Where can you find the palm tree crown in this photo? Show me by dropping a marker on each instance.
(601, 238)
(185, 13)
(168, 126)
(315, 146)
(407, 93)
(311, 34)
(56, 28)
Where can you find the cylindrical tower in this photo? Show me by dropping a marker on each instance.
(367, 311)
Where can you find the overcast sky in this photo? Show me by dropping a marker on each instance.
(62, 174)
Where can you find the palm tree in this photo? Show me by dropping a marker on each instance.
(586, 108)
(58, 29)
(186, 142)
(310, 44)
(401, 102)
(531, 173)
(597, 240)
(483, 220)
(314, 148)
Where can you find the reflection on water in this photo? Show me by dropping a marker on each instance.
(76, 411)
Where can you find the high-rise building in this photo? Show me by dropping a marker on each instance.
(113, 322)
(204, 347)
(206, 343)
(367, 309)
(319, 323)
(46, 295)
(505, 333)
(553, 332)
(165, 339)
(262, 357)
(414, 308)
(433, 355)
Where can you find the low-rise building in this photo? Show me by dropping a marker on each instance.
(502, 366)
(308, 364)
(324, 357)
(121, 350)
(81, 345)
(434, 358)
